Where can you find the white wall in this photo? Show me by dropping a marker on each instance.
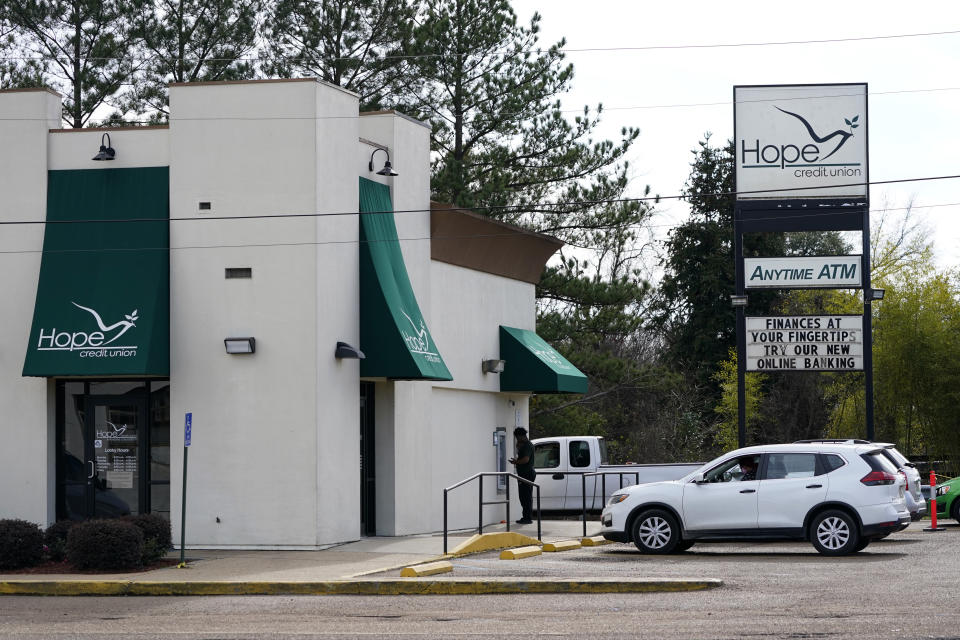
(135, 147)
(473, 305)
(27, 477)
(264, 438)
(337, 303)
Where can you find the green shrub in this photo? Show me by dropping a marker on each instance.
(21, 544)
(105, 544)
(55, 537)
(157, 535)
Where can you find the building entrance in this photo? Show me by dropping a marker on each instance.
(113, 445)
(368, 484)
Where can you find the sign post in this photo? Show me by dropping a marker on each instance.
(187, 434)
(801, 164)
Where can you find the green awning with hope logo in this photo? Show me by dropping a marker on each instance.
(103, 298)
(393, 334)
(534, 366)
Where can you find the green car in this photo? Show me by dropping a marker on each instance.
(947, 503)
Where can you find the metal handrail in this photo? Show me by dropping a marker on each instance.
(603, 492)
(482, 504)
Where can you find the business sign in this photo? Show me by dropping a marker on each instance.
(805, 272)
(801, 141)
(805, 343)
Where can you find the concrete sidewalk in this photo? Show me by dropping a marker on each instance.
(345, 568)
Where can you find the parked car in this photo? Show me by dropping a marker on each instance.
(916, 504)
(837, 496)
(947, 502)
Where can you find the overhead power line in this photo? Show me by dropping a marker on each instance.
(678, 105)
(512, 52)
(519, 208)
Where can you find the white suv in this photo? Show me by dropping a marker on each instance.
(837, 496)
(916, 503)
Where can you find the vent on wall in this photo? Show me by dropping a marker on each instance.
(204, 206)
(238, 272)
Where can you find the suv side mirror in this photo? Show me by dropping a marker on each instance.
(699, 479)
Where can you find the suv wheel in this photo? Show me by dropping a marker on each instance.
(834, 533)
(656, 531)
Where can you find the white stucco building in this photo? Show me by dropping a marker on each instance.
(256, 214)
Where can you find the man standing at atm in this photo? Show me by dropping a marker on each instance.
(524, 464)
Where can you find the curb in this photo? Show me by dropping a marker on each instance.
(393, 586)
(427, 569)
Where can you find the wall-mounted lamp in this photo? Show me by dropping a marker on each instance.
(493, 366)
(240, 345)
(387, 167)
(738, 301)
(345, 350)
(875, 294)
(107, 152)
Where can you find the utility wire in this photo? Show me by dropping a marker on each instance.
(513, 52)
(474, 236)
(680, 105)
(521, 208)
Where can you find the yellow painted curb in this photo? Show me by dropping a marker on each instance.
(594, 541)
(565, 545)
(390, 586)
(491, 541)
(520, 552)
(428, 569)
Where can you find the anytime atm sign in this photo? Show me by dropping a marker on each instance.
(801, 141)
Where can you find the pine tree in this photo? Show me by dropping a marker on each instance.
(81, 46)
(355, 44)
(191, 41)
(503, 146)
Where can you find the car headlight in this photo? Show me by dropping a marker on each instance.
(616, 498)
(942, 490)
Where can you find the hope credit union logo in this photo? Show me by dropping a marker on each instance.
(807, 159)
(417, 339)
(89, 341)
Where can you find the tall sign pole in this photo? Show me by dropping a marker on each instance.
(801, 164)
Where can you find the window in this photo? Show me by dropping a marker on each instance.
(731, 470)
(831, 462)
(579, 453)
(546, 455)
(791, 465)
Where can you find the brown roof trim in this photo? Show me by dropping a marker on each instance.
(391, 112)
(151, 127)
(214, 83)
(31, 89)
(467, 239)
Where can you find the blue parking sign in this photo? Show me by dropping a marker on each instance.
(187, 428)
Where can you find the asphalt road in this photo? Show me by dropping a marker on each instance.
(907, 586)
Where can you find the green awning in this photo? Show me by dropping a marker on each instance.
(393, 334)
(533, 365)
(103, 299)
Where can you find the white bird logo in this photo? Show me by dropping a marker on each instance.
(422, 339)
(117, 431)
(126, 324)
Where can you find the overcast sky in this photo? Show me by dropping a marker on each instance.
(913, 82)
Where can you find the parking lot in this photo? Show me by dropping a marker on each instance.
(906, 586)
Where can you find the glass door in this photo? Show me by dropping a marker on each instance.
(115, 454)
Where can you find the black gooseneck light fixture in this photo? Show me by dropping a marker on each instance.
(107, 152)
(387, 167)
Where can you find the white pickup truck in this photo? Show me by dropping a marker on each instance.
(562, 462)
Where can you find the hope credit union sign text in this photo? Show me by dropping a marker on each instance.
(801, 141)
